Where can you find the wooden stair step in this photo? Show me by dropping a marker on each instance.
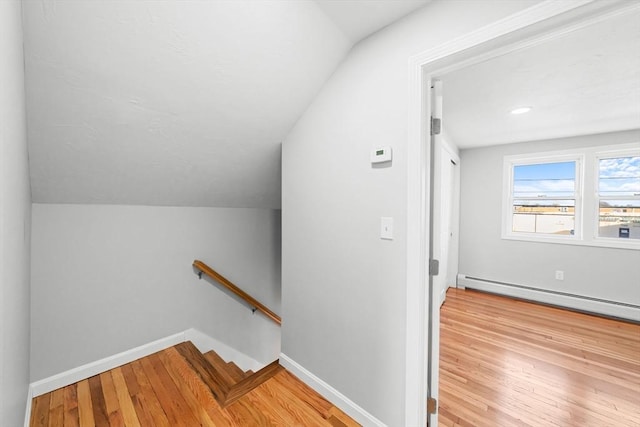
(207, 373)
(222, 367)
(173, 387)
(192, 386)
(216, 374)
(252, 381)
(237, 373)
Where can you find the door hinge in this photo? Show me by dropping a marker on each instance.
(436, 126)
(434, 267)
(432, 405)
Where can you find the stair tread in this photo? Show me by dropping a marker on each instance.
(251, 382)
(221, 366)
(209, 375)
(198, 389)
(177, 386)
(230, 370)
(236, 372)
(215, 373)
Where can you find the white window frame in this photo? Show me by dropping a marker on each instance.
(608, 154)
(507, 218)
(586, 198)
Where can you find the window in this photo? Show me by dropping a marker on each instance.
(544, 198)
(619, 197)
(585, 197)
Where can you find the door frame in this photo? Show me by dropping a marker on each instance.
(500, 37)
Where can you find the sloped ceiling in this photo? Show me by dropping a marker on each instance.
(180, 103)
(586, 81)
(357, 18)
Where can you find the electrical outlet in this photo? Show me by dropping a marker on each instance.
(559, 275)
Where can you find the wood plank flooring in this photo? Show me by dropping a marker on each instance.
(163, 390)
(506, 362)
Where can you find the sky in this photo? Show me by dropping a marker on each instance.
(544, 179)
(617, 177)
(618, 180)
(620, 176)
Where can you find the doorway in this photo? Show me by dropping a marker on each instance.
(533, 25)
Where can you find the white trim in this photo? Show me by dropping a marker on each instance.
(508, 197)
(449, 147)
(27, 412)
(205, 343)
(604, 11)
(460, 281)
(532, 15)
(599, 242)
(331, 394)
(586, 195)
(575, 302)
(417, 191)
(417, 252)
(633, 150)
(202, 341)
(443, 295)
(93, 368)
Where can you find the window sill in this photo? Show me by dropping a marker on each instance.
(599, 242)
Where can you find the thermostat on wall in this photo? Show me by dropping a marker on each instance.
(381, 155)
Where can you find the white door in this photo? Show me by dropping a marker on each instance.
(445, 215)
(441, 216)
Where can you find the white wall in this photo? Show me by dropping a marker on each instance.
(604, 273)
(108, 278)
(344, 289)
(15, 205)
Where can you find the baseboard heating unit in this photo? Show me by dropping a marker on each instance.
(562, 299)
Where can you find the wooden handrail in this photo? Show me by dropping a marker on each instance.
(204, 268)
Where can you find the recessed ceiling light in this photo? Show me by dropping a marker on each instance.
(521, 110)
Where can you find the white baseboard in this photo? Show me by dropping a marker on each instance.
(443, 295)
(205, 343)
(202, 341)
(27, 412)
(330, 393)
(575, 302)
(90, 369)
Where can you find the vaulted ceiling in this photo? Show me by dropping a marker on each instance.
(181, 103)
(185, 103)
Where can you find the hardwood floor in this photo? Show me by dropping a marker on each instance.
(162, 390)
(503, 362)
(506, 362)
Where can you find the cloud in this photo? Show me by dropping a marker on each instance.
(564, 187)
(620, 167)
(620, 185)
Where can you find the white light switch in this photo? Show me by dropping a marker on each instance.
(386, 228)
